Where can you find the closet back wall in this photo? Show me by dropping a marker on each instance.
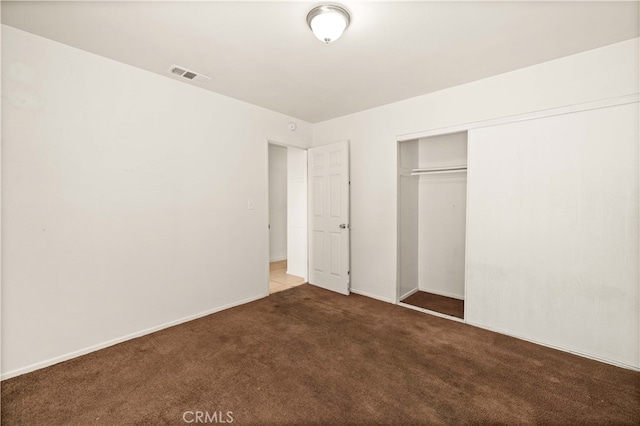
(124, 200)
(442, 216)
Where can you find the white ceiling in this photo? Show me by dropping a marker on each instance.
(264, 53)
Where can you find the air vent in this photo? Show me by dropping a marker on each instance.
(188, 74)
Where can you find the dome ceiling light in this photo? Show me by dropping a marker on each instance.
(328, 22)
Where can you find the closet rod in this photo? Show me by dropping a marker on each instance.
(418, 172)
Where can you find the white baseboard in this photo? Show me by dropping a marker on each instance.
(93, 348)
(559, 348)
(277, 259)
(373, 296)
(295, 274)
(409, 293)
(443, 293)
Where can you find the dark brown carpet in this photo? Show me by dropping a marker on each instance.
(437, 303)
(309, 356)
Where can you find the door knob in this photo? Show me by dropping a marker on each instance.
(343, 225)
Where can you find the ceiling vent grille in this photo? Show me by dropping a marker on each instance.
(188, 74)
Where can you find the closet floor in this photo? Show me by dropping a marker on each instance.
(436, 303)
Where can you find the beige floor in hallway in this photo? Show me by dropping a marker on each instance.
(279, 279)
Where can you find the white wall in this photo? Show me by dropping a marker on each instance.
(124, 200)
(607, 72)
(277, 203)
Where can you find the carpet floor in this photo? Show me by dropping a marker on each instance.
(309, 356)
(434, 302)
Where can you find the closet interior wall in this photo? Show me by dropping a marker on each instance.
(408, 223)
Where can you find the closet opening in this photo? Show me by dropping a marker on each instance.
(432, 198)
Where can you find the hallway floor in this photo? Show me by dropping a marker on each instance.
(279, 279)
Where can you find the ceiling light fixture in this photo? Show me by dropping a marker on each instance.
(328, 22)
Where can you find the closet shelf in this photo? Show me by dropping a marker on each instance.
(438, 170)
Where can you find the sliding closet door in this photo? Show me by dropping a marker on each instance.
(552, 231)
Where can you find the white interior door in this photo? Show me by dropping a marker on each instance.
(329, 216)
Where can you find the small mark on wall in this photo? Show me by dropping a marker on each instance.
(19, 87)
(24, 100)
(20, 72)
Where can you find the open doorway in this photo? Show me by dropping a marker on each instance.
(287, 217)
